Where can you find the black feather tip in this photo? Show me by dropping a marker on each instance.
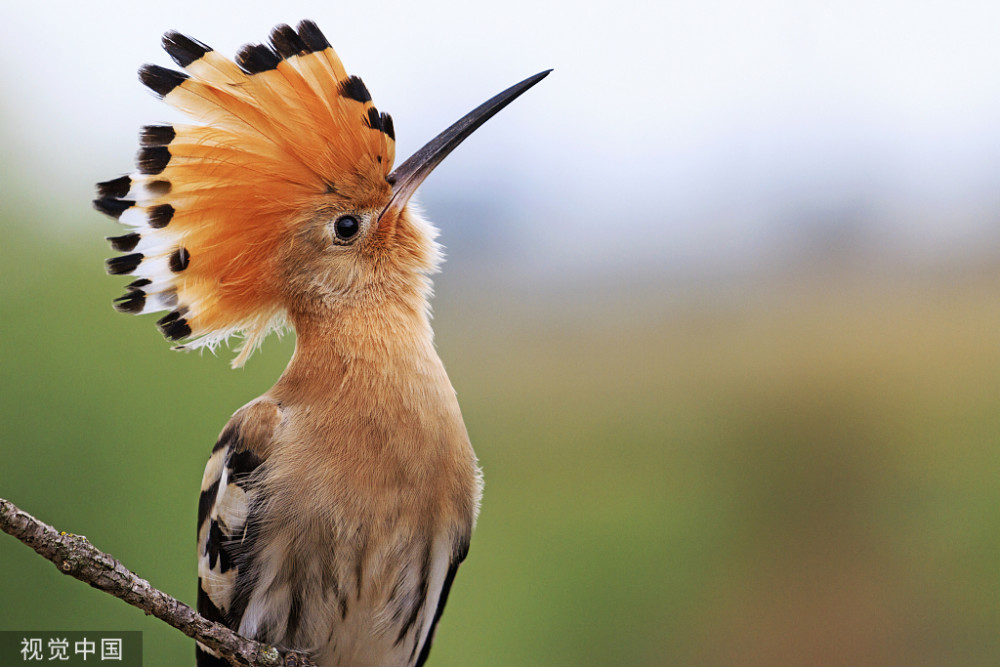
(156, 135)
(354, 88)
(167, 319)
(126, 243)
(374, 120)
(158, 188)
(381, 122)
(183, 49)
(116, 187)
(113, 207)
(179, 260)
(387, 126)
(160, 79)
(312, 36)
(131, 302)
(286, 42)
(123, 265)
(257, 58)
(153, 159)
(160, 216)
(173, 326)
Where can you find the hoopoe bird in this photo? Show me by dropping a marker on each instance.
(336, 508)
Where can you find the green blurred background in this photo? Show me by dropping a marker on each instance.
(749, 451)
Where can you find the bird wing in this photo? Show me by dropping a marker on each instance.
(225, 510)
(459, 551)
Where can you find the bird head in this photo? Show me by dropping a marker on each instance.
(280, 199)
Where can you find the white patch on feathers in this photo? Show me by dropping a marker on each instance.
(231, 509)
(139, 191)
(156, 302)
(440, 562)
(151, 243)
(156, 268)
(217, 585)
(213, 469)
(134, 216)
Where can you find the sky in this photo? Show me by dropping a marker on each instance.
(683, 134)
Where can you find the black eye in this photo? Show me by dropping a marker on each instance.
(346, 227)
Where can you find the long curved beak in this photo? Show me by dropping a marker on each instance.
(407, 177)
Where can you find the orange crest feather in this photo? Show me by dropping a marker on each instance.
(210, 204)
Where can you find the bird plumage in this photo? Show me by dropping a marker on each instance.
(336, 508)
(215, 207)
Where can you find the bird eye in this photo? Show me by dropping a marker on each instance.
(346, 227)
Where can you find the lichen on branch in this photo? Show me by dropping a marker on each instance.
(76, 556)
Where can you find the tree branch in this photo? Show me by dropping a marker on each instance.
(76, 556)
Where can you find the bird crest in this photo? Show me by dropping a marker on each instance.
(275, 133)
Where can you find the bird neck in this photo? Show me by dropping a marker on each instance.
(382, 336)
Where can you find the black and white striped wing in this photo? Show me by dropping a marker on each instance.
(225, 518)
